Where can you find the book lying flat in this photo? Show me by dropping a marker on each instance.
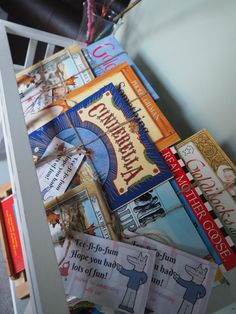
(138, 99)
(48, 81)
(106, 53)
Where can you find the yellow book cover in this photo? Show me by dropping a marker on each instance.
(136, 96)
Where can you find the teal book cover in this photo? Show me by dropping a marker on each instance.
(160, 214)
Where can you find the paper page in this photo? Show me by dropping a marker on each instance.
(109, 273)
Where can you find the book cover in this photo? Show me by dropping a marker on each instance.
(48, 81)
(216, 158)
(212, 187)
(160, 214)
(123, 155)
(106, 53)
(12, 233)
(203, 212)
(138, 99)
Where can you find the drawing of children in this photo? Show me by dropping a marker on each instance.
(194, 288)
(137, 277)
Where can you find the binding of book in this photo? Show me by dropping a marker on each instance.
(203, 212)
(9, 223)
(106, 53)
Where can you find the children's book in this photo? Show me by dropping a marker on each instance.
(11, 237)
(215, 190)
(137, 98)
(181, 283)
(48, 81)
(160, 214)
(123, 155)
(202, 210)
(80, 209)
(106, 53)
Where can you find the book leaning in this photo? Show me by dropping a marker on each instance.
(123, 155)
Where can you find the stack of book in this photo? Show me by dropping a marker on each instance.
(132, 210)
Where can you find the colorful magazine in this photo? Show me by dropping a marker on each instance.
(106, 53)
(125, 159)
(48, 81)
(160, 214)
(138, 99)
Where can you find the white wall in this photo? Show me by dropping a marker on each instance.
(190, 47)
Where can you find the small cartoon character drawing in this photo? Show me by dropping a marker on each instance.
(194, 288)
(64, 269)
(137, 277)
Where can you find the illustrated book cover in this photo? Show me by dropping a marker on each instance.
(138, 99)
(81, 209)
(123, 155)
(12, 237)
(211, 185)
(160, 215)
(217, 159)
(106, 53)
(201, 209)
(48, 81)
(181, 282)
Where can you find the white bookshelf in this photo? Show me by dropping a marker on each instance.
(46, 290)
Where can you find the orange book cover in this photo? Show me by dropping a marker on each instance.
(136, 96)
(12, 234)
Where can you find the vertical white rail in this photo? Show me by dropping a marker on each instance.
(49, 50)
(32, 46)
(46, 289)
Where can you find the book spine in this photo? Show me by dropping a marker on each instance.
(222, 243)
(212, 187)
(5, 246)
(12, 234)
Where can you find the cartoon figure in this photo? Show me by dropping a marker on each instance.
(64, 269)
(137, 277)
(194, 288)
